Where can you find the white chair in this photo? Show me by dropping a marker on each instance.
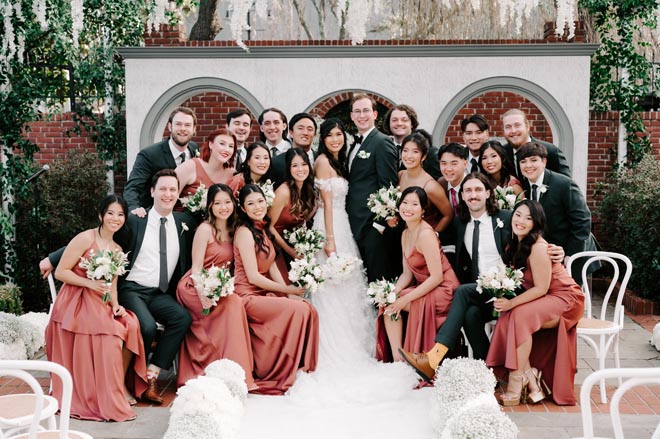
(17, 410)
(635, 377)
(489, 327)
(605, 330)
(18, 368)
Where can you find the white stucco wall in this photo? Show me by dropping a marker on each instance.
(427, 83)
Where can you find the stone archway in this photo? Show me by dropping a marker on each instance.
(321, 106)
(560, 125)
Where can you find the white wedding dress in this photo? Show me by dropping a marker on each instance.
(347, 371)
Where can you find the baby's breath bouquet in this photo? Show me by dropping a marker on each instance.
(105, 265)
(499, 281)
(195, 202)
(215, 283)
(269, 191)
(306, 273)
(338, 268)
(383, 202)
(306, 242)
(506, 198)
(381, 293)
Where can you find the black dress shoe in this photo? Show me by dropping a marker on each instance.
(419, 362)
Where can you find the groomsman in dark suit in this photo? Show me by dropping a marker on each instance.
(167, 154)
(239, 123)
(482, 235)
(302, 131)
(372, 164)
(161, 239)
(273, 131)
(399, 122)
(475, 133)
(568, 220)
(158, 247)
(517, 133)
(453, 165)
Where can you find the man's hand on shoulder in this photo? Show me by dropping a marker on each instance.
(139, 212)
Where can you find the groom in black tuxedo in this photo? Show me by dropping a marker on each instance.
(167, 154)
(372, 164)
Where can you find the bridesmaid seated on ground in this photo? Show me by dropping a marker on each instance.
(496, 165)
(535, 335)
(425, 287)
(215, 164)
(438, 214)
(294, 205)
(98, 342)
(254, 170)
(283, 327)
(224, 332)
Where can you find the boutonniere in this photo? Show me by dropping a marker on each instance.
(197, 153)
(184, 228)
(543, 189)
(364, 154)
(500, 223)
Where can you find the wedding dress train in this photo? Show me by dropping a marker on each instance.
(347, 372)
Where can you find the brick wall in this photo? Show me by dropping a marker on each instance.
(56, 137)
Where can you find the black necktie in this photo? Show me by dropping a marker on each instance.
(273, 151)
(182, 156)
(475, 249)
(163, 279)
(534, 194)
(475, 166)
(517, 163)
(239, 160)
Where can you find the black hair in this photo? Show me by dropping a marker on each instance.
(105, 205)
(245, 168)
(491, 205)
(340, 163)
(214, 190)
(507, 166)
(453, 148)
(518, 251)
(303, 200)
(258, 233)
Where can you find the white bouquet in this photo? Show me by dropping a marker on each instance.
(215, 283)
(306, 273)
(305, 241)
(506, 198)
(383, 202)
(381, 293)
(269, 191)
(196, 202)
(105, 266)
(499, 281)
(338, 268)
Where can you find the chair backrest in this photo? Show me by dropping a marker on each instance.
(635, 377)
(19, 367)
(614, 259)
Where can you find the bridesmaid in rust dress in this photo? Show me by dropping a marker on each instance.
(223, 333)
(497, 166)
(538, 327)
(98, 342)
(255, 168)
(294, 204)
(426, 285)
(283, 327)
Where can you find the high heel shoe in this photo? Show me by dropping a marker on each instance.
(534, 376)
(511, 398)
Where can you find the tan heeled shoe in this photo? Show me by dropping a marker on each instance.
(536, 381)
(513, 397)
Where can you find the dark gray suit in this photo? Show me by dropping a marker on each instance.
(556, 159)
(150, 160)
(468, 308)
(368, 175)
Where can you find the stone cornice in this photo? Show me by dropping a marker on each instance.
(380, 51)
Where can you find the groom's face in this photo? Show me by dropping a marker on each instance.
(363, 115)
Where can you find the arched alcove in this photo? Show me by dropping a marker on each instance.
(562, 130)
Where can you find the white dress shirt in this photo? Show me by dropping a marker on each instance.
(146, 268)
(176, 153)
(539, 185)
(488, 255)
(281, 148)
(357, 148)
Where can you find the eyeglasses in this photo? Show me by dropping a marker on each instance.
(365, 111)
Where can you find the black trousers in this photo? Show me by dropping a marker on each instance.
(469, 311)
(150, 305)
(374, 252)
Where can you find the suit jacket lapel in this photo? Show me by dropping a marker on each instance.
(182, 243)
(167, 154)
(460, 237)
(141, 227)
(497, 233)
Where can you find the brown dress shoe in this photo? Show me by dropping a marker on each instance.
(419, 362)
(152, 393)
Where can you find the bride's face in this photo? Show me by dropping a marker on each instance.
(255, 206)
(334, 141)
(410, 208)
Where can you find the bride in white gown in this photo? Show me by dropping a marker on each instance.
(347, 371)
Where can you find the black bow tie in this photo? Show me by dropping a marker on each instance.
(357, 139)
